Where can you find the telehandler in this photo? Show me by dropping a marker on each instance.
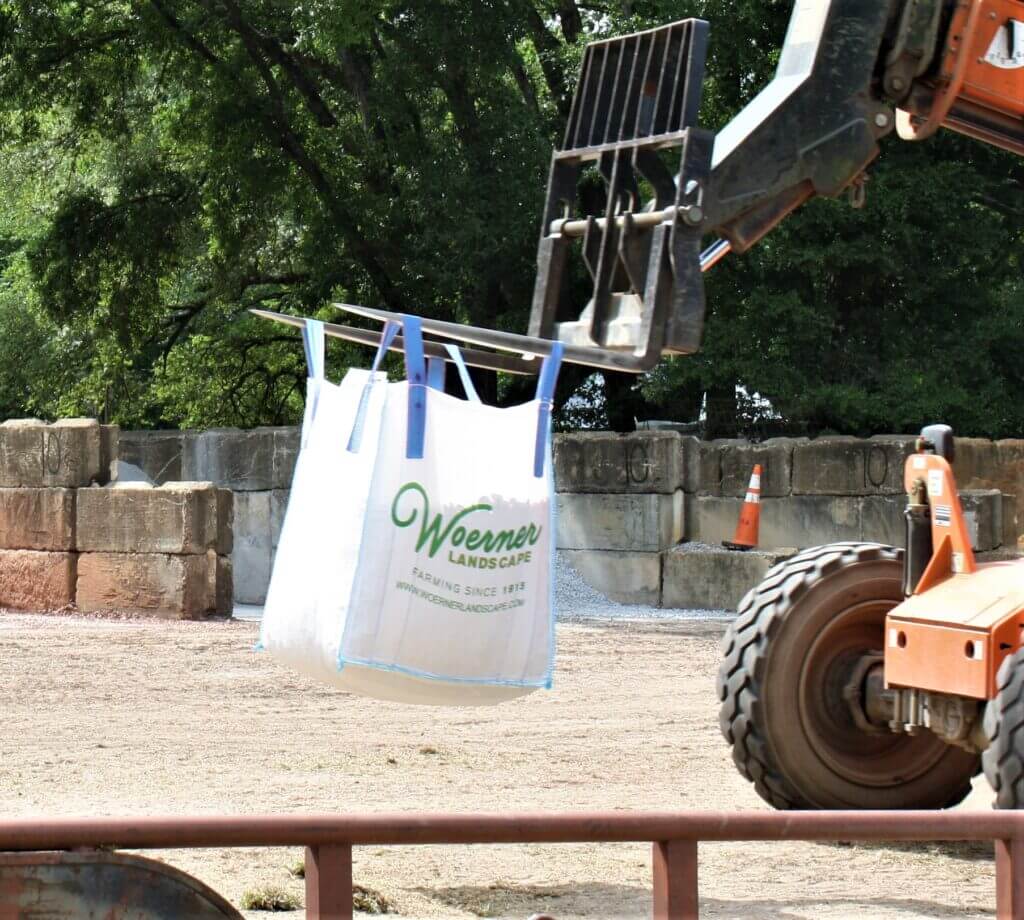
(856, 675)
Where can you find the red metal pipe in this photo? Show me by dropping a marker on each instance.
(329, 883)
(675, 880)
(411, 829)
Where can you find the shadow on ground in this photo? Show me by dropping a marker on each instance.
(506, 901)
(973, 850)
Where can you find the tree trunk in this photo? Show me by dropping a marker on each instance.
(721, 412)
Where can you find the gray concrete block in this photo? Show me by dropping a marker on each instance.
(253, 552)
(851, 466)
(645, 461)
(976, 463)
(242, 461)
(65, 454)
(1011, 522)
(739, 458)
(702, 467)
(801, 521)
(219, 585)
(882, 519)
(983, 514)
(1010, 469)
(176, 519)
(286, 452)
(708, 578)
(626, 578)
(278, 508)
(37, 519)
(156, 453)
(109, 450)
(640, 523)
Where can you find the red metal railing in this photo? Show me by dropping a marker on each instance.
(329, 841)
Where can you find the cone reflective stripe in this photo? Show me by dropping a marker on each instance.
(750, 515)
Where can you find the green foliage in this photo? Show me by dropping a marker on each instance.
(168, 164)
(269, 898)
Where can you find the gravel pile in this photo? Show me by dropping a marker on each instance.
(699, 548)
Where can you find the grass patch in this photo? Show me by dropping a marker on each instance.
(270, 898)
(369, 901)
(365, 900)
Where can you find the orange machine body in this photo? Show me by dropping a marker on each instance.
(964, 617)
(980, 86)
(994, 75)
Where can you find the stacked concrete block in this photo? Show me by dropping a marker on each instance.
(278, 508)
(244, 461)
(162, 552)
(41, 467)
(702, 466)
(851, 466)
(257, 465)
(66, 454)
(157, 453)
(738, 459)
(806, 520)
(713, 578)
(254, 546)
(620, 504)
(822, 491)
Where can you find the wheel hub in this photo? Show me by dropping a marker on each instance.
(871, 704)
(851, 736)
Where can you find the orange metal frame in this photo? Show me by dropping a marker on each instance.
(329, 840)
(967, 81)
(964, 617)
(984, 83)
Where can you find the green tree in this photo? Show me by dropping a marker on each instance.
(169, 163)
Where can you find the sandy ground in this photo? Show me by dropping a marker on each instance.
(114, 718)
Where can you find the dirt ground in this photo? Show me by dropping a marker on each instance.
(117, 718)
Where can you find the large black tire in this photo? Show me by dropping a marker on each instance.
(787, 657)
(1003, 759)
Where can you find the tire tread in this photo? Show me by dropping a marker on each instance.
(762, 611)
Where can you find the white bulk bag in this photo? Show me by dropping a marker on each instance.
(425, 576)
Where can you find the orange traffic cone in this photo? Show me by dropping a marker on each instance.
(750, 516)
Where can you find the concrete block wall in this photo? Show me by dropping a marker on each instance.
(256, 465)
(626, 503)
(70, 539)
(619, 499)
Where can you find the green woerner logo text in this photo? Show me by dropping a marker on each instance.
(496, 549)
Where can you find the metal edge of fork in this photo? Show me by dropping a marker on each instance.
(511, 341)
(472, 357)
(527, 345)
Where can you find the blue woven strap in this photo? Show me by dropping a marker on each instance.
(355, 439)
(460, 366)
(545, 397)
(313, 342)
(416, 375)
(386, 338)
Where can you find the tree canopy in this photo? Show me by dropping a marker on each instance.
(168, 164)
